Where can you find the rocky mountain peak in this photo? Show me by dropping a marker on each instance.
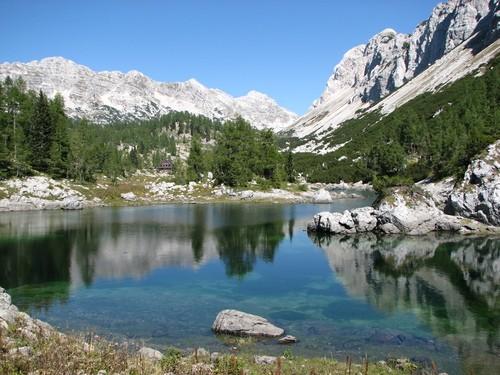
(370, 72)
(112, 95)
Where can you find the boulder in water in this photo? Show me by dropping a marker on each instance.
(239, 323)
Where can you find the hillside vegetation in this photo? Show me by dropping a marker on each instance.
(38, 137)
(434, 135)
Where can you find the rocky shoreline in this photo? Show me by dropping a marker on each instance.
(45, 193)
(30, 346)
(470, 206)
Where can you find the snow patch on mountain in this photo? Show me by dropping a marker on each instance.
(111, 95)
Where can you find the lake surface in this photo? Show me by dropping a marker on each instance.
(161, 274)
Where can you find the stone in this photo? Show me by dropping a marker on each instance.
(365, 219)
(27, 334)
(24, 351)
(72, 203)
(202, 369)
(265, 359)
(4, 327)
(322, 196)
(288, 339)
(9, 314)
(150, 353)
(246, 194)
(333, 223)
(214, 356)
(408, 210)
(202, 352)
(41, 193)
(239, 323)
(128, 196)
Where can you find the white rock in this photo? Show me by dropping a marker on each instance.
(150, 353)
(128, 196)
(243, 324)
(478, 195)
(365, 219)
(265, 359)
(322, 196)
(288, 339)
(24, 351)
(246, 194)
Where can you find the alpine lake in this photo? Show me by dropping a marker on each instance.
(159, 275)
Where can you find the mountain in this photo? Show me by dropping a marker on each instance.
(447, 46)
(108, 96)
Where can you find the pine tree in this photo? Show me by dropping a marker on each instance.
(60, 148)
(41, 133)
(267, 163)
(195, 162)
(289, 167)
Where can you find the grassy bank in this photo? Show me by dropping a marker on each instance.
(51, 354)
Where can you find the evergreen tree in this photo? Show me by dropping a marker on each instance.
(289, 167)
(235, 153)
(268, 160)
(41, 133)
(60, 147)
(195, 162)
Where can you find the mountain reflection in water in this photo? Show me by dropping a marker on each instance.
(77, 248)
(161, 274)
(451, 283)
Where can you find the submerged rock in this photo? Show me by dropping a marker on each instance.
(239, 323)
(288, 339)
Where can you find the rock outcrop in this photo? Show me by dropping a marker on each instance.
(234, 322)
(408, 211)
(478, 195)
(28, 328)
(390, 60)
(40, 193)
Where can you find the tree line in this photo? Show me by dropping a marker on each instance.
(38, 137)
(241, 154)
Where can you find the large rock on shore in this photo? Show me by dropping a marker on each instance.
(10, 318)
(412, 211)
(478, 195)
(406, 210)
(239, 323)
(40, 193)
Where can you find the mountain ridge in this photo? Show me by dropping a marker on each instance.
(105, 96)
(370, 72)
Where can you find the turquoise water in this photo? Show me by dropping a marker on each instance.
(160, 274)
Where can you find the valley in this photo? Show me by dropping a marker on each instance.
(171, 228)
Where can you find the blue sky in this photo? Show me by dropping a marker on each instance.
(286, 49)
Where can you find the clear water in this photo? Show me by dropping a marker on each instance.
(160, 274)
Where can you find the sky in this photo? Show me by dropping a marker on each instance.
(284, 48)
